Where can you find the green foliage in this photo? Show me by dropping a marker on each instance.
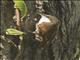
(12, 31)
(22, 7)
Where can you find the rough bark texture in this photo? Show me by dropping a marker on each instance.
(67, 41)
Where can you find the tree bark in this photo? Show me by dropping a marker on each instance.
(64, 46)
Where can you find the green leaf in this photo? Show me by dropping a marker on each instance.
(11, 31)
(21, 6)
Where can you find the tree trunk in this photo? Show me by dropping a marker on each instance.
(64, 46)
